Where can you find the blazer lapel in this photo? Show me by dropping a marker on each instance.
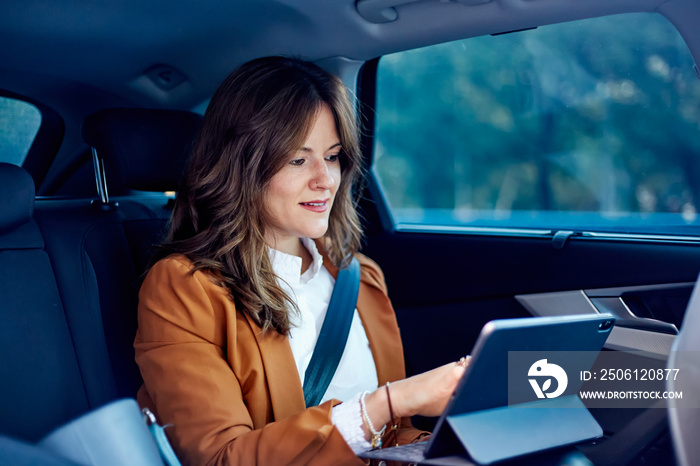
(379, 322)
(283, 383)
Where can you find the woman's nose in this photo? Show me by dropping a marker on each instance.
(323, 178)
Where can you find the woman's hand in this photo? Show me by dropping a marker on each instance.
(427, 393)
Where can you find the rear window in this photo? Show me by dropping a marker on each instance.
(19, 125)
(591, 124)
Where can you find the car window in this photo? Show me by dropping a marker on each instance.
(19, 125)
(590, 124)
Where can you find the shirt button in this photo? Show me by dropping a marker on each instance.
(308, 347)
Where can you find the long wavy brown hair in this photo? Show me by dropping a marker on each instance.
(261, 113)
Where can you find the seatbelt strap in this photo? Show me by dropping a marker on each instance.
(334, 334)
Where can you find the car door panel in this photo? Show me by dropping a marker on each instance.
(444, 287)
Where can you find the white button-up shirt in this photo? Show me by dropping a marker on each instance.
(356, 371)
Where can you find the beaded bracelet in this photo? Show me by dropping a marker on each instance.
(376, 441)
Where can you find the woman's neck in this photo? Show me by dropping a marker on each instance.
(294, 247)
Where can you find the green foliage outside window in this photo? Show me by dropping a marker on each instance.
(598, 118)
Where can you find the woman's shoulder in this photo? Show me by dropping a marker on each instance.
(177, 269)
(370, 272)
(367, 263)
(179, 303)
(174, 266)
(174, 262)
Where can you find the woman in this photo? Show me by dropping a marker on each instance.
(230, 312)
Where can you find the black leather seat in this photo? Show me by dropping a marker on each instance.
(41, 384)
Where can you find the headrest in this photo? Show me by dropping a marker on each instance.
(16, 197)
(142, 149)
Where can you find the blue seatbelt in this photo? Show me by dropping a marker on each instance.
(334, 334)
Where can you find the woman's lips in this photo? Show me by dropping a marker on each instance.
(315, 206)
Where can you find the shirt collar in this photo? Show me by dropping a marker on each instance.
(288, 267)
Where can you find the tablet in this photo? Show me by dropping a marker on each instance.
(519, 391)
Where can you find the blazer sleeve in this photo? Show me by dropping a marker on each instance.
(184, 329)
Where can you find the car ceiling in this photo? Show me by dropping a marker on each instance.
(109, 45)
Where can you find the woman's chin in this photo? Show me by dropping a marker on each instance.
(319, 232)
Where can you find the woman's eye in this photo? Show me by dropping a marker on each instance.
(333, 157)
(296, 162)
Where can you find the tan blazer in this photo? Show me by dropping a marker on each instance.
(233, 395)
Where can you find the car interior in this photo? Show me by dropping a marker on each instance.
(510, 172)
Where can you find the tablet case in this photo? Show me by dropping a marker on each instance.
(501, 433)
